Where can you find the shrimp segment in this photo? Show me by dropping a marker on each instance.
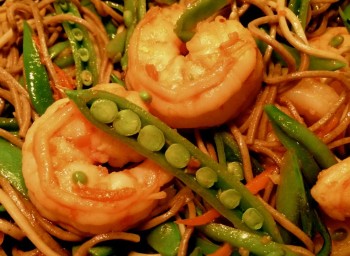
(332, 190)
(203, 83)
(62, 143)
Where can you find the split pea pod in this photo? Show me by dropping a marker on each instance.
(323, 155)
(11, 165)
(82, 47)
(242, 239)
(37, 79)
(154, 139)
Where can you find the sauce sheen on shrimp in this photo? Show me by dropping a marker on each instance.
(76, 177)
(202, 83)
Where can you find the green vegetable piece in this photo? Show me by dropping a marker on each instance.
(145, 96)
(345, 15)
(165, 239)
(177, 155)
(253, 218)
(116, 47)
(77, 34)
(151, 137)
(37, 79)
(57, 48)
(206, 177)
(254, 243)
(339, 234)
(300, 8)
(104, 110)
(321, 228)
(8, 123)
(336, 41)
(127, 123)
(303, 135)
(230, 198)
(86, 77)
(236, 169)
(79, 177)
(206, 246)
(196, 252)
(198, 11)
(84, 54)
(11, 165)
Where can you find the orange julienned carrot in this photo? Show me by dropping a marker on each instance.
(260, 181)
(224, 250)
(206, 218)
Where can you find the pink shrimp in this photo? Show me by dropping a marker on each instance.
(204, 83)
(62, 144)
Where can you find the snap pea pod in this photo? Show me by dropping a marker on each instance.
(323, 155)
(200, 10)
(345, 15)
(225, 180)
(308, 164)
(82, 47)
(316, 63)
(326, 248)
(8, 123)
(291, 199)
(37, 79)
(11, 165)
(300, 8)
(243, 239)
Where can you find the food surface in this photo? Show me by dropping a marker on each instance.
(174, 127)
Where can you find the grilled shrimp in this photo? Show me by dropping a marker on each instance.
(202, 83)
(75, 177)
(311, 96)
(332, 190)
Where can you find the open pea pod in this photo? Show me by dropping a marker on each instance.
(154, 139)
(11, 165)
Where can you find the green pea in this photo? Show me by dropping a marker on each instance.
(339, 234)
(236, 169)
(206, 177)
(86, 77)
(84, 54)
(253, 218)
(145, 96)
(77, 34)
(151, 137)
(177, 155)
(127, 123)
(104, 110)
(230, 198)
(79, 177)
(336, 41)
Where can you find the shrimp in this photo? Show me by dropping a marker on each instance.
(205, 82)
(313, 97)
(65, 160)
(332, 190)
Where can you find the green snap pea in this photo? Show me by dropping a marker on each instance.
(78, 36)
(79, 177)
(145, 96)
(253, 218)
(300, 8)
(116, 47)
(336, 41)
(11, 165)
(236, 169)
(127, 123)
(165, 239)
(345, 15)
(200, 10)
(104, 110)
(117, 80)
(206, 177)
(225, 179)
(242, 239)
(303, 135)
(177, 155)
(151, 137)
(8, 123)
(37, 79)
(230, 198)
(57, 48)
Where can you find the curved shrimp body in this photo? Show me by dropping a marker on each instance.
(204, 82)
(65, 161)
(332, 190)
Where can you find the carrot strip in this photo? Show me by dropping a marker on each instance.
(224, 250)
(260, 181)
(203, 219)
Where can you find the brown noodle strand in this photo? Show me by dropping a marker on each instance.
(186, 236)
(341, 127)
(268, 152)
(247, 167)
(10, 229)
(11, 138)
(84, 248)
(288, 225)
(199, 142)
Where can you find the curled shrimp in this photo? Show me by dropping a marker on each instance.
(75, 177)
(314, 97)
(202, 83)
(332, 190)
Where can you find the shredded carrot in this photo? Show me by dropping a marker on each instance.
(224, 250)
(206, 218)
(65, 80)
(260, 181)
